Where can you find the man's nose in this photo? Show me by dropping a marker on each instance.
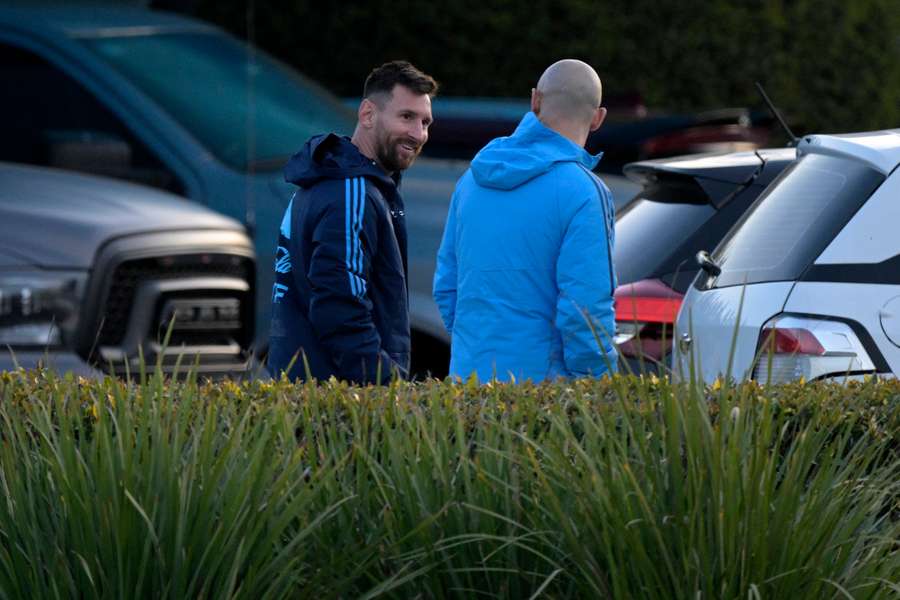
(419, 132)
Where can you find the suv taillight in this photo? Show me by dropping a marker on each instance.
(793, 347)
(645, 315)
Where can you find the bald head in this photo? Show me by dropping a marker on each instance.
(570, 89)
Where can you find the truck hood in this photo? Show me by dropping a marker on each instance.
(10, 260)
(58, 219)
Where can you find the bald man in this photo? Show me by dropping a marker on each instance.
(524, 278)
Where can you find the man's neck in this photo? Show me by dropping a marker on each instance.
(366, 147)
(573, 133)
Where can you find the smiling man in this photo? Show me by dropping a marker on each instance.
(340, 297)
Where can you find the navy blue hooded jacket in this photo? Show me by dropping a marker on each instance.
(340, 301)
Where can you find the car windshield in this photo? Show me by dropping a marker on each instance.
(793, 221)
(246, 108)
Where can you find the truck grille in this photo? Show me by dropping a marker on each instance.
(128, 276)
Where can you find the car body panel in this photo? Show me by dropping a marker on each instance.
(709, 319)
(865, 239)
(731, 167)
(860, 303)
(12, 259)
(68, 215)
(879, 149)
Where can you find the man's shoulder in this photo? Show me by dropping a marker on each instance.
(575, 179)
(336, 193)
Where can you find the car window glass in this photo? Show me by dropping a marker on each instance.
(244, 107)
(650, 231)
(49, 119)
(793, 220)
(775, 229)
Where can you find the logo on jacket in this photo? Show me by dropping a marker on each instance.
(282, 260)
(278, 292)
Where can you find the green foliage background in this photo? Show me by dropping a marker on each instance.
(831, 65)
(621, 487)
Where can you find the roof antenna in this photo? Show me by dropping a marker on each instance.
(777, 114)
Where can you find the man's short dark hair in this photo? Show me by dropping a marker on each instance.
(381, 80)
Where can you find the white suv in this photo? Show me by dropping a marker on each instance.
(807, 283)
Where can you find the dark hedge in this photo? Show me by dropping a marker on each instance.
(831, 65)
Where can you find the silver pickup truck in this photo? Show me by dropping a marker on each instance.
(93, 272)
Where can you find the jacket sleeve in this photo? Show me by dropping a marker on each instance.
(445, 274)
(585, 316)
(338, 272)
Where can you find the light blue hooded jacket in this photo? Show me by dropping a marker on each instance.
(524, 280)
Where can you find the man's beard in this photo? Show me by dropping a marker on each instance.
(391, 156)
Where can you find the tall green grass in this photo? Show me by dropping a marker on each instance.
(618, 488)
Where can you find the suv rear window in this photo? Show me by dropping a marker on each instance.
(793, 221)
(654, 225)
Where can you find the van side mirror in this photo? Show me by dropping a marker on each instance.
(102, 153)
(88, 151)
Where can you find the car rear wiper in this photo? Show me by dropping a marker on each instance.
(744, 184)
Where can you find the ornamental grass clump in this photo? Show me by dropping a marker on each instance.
(616, 488)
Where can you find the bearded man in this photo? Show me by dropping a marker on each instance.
(340, 303)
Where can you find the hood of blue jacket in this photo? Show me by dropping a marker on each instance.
(332, 156)
(532, 150)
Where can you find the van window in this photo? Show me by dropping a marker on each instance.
(793, 221)
(49, 119)
(244, 107)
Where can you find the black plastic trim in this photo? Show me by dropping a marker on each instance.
(886, 272)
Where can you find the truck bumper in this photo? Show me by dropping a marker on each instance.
(61, 361)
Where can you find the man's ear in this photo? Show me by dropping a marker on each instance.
(535, 101)
(366, 113)
(599, 116)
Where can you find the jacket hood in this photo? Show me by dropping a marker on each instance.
(532, 150)
(331, 157)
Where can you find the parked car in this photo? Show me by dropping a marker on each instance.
(807, 283)
(685, 204)
(181, 105)
(93, 271)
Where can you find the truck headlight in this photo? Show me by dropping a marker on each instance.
(38, 309)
